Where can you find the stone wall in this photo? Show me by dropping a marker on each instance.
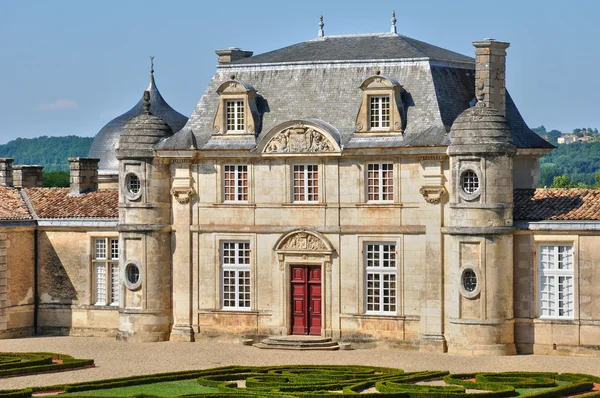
(66, 284)
(577, 336)
(16, 282)
(345, 220)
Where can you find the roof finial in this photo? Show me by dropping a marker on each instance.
(321, 24)
(147, 102)
(152, 64)
(393, 30)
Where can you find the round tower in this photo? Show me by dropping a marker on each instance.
(144, 230)
(480, 302)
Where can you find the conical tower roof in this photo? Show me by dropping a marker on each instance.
(106, 141)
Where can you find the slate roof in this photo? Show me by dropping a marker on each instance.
(356, 47)
(557, 204)
(56, 203)
(106, 141)
(437, 86)
(12, 205)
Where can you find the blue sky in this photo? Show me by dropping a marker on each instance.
(69, 67)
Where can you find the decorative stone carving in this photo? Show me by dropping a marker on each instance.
(216, 129)
(299, 138)
(433, 195)
(183, 195)
(303, 241)
(359, 126)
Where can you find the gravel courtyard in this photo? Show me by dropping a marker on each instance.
(116, 359)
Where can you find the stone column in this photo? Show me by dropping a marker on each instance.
(183, 192)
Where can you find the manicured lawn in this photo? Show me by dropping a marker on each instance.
(164, 389)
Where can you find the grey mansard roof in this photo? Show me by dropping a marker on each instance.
(320, 79)
(105, 143)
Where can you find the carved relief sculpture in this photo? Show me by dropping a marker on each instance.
(299, 139)
(303, 241)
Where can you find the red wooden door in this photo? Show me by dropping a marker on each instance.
(306, 300)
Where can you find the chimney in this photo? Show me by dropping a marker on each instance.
(490, 73)
(84, 175)
(232, 54)
(6, 172)
(28, 176)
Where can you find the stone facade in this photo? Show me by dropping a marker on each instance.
(411, 215)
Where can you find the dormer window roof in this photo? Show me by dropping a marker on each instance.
(381, 109)
(236, 112)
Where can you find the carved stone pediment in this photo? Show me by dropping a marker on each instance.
(303, 241)
(299, 139)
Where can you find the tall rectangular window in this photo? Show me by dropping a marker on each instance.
(380, 278)
(234, 110)
(306, 183)
(105, 266)
(555, 282)
(236, 275)
(379, 112)
(235, 183)
(380, 182)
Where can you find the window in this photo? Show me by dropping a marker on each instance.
(235, 183)
(380, 182)
(379, 112)
(306, 183)
(133, 184)
(380, 266)
(555, 272)
(470, 182)
(106, 271)
(234, 115)
(236, 275)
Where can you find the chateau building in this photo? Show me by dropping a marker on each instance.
(369, 188)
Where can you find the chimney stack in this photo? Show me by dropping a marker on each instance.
(6, 172)
(28, 176)
(490, 73)
(232, 54)
(84, 175)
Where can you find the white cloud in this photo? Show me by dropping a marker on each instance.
(58, 105)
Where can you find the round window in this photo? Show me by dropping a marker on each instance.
(132, 275)
(470, 181)
(133, 184)
(469, 280)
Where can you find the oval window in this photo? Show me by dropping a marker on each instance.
(132, 272)
(133, 184)
(470, 181)
(469, 280)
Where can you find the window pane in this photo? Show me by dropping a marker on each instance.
(100, 249)
(114, 284)
(380, 289)
(380, 182)
(100, 283)
(236, 275)
(556, 292)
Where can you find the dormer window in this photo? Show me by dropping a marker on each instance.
(381, 109)
(235, 115)
(379, 112)
(236, 111)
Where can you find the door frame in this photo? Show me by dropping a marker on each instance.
(309, 248)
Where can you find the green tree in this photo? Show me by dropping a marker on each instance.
(598, 179)
(56, 179)
(564, 182)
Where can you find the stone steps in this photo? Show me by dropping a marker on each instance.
(307, 343)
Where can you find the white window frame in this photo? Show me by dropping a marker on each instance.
(379, 270)
(379, 183)
(552, 298)
(311, 192)
(105, 271)
(235, 117)
(239, 264)
(377, 115)
(239, 182)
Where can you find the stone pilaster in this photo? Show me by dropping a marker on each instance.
(183, 193)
